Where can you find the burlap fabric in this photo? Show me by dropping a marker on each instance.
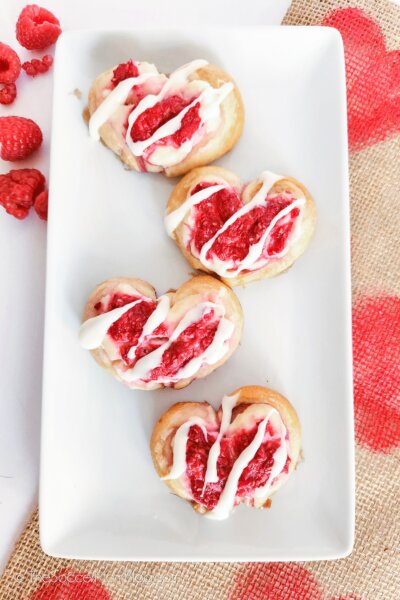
(373, 570)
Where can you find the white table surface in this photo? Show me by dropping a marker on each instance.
(23, 243)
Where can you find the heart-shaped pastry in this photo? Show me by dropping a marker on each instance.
(148, 342)
(174, 123)
(240, 232)
(241, 454)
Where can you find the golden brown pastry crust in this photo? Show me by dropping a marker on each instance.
(211, 147)
(274, 267)
(181, 300)
(179, 413)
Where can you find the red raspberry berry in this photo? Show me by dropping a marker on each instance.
(8, 93)
(37, 28)
(123, 71)
(36, 66)
(29, 68)
(41, 204)
(19, 137)
(18, 190)
(10, 65)
(47, 60)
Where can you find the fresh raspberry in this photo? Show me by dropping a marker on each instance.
(18, 190)
(8, 93)
(36, 66)
(123, 71)
(29, 69)
(10, 65)
(37, 28)
(41, 204)
(19, 137)
(47, 60)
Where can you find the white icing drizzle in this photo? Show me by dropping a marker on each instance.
(213, 353)
(225, 269)
(92, 334)
(179, 447)
(279, 458)
(152, 360)
(157, 317)
(209, 100)
(227, 499)
(174, 218)
(115, 98)
(93, 331)
(211, 476)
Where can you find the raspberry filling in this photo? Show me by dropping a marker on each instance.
(255, 475)
(191, 343)
(211, 214)
(126, 331)
(153, 118)
(234, 243)
(124, 71)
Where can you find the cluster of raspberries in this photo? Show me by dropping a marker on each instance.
(20, 189)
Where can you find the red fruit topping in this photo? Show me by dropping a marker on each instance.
(8, 93)
(254, 475)
(126, 331)
(37, 28)
(192, 342)
(152, 118)
(41, 204)
(189, 125)
(10, 65)
(123, 71)
(36, 66)
(234, 242)
(19, 137)
(18, 190)
(212, 213)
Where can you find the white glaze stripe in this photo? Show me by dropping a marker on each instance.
(212, 354)
(115, 98)
(177, 77)
(279, 458)
(211, 476)
(174, 218)
(208, 98)
(268, 180)
(157, 317)
(152, 360)
(256, 250)
(93, 331)
(227, 499)
(179, 447)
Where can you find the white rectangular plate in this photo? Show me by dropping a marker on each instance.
(100, 497)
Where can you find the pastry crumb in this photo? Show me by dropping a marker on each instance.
(77, 93)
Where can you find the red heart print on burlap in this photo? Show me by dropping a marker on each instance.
(373, 78)
(376, 349)
(278, 581)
